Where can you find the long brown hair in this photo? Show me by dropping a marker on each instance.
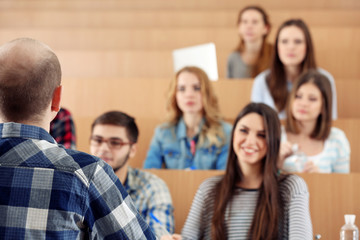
(212, 129)
(276, 80)
(324, 120)
(264, 58)
(268, 210)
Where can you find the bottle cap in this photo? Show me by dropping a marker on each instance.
(350, 219)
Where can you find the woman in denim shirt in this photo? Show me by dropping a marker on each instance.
(194, 137)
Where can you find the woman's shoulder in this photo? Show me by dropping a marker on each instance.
(326, 73)
(262, 76)
(226, 126)
(234, 56)
(164, 129)
(336, 134)
(209, 184)
(293, 185)
(336, 131)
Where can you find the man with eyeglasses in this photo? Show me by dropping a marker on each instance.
(46, 190)
(113, 138)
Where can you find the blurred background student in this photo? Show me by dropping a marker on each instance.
(114, 138)
(293, 55)
(194, 136)
(252, 200)
(62, 129)
(253, 54)
(319, 147)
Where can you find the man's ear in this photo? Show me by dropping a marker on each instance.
(133, 150)
(56, 99)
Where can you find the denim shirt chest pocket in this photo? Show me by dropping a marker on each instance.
(206, 158)
(171, 157)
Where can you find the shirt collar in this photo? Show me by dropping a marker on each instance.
(129, 179)
(17, 130)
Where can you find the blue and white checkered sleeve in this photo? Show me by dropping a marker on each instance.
(111, 212)
(162, 208)
(342, 146)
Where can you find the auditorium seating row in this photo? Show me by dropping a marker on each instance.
(175, 4)
(134, 39)
(145, 100)
(166, 18)
(331, 196)
(147, 52)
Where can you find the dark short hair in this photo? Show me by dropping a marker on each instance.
(324, 121)
(120, 119)
(27, 87)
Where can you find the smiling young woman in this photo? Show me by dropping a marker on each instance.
(293, 55)
(251, 200)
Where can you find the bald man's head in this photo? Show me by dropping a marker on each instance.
(29, 74)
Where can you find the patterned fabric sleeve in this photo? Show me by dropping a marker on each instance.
(109, 216)
(161, 208)
(300, 226)
(62, 129)
(194, 225)
(342, 146)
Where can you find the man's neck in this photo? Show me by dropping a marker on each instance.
(122, 173)
(42, 124)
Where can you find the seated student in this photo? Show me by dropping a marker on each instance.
(194, 136)
(321, 148)
(252, 200)
(113, 138)
(293, 55)
(62, 129)
(253, 54)
(47, 191)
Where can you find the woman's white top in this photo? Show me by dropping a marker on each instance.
(334, 158)
(261, 93)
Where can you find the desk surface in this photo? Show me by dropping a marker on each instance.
(331, 196)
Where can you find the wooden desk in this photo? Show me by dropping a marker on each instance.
(331, 196)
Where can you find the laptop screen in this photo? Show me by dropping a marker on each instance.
(202, 56)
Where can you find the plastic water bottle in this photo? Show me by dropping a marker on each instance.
(349, 231)
(296, 160)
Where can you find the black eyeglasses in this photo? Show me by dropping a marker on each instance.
(113, 143)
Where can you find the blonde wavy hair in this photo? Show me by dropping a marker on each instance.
(212, 128)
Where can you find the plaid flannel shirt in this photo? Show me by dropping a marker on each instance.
(49, 192)
(151, 196)
(62, 129)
